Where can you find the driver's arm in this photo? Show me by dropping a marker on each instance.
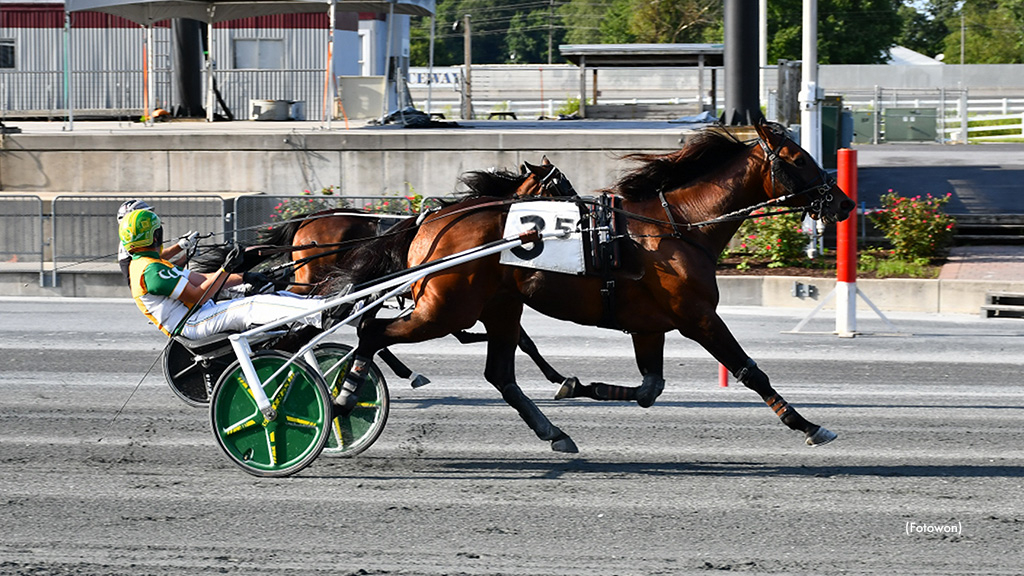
(202, 287)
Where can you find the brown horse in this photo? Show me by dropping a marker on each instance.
(317, 242)
(681, 210)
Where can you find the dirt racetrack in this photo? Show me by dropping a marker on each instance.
(927, 475)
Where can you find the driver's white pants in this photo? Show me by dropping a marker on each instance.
(244, 313)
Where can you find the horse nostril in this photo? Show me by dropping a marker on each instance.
(847, 205)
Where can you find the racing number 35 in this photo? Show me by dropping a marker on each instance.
(535, 248)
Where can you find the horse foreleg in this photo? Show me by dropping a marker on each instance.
(754, 378)
(500, 372)
(719, 341)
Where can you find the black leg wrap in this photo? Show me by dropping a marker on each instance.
(649, 391)
(537, 421)
(752, 377)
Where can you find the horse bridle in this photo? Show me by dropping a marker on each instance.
(556, 183)
(821, 195)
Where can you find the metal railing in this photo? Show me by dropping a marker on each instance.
(21, 230)
(85, 227)
(257, 212)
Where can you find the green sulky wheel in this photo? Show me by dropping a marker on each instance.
(292, 440)
(355, 432)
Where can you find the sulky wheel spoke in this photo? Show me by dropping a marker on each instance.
(243, 424)
(281, 394)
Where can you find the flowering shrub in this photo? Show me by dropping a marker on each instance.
(299, 207)
(778, 237)
(409, 204)
(916, 227)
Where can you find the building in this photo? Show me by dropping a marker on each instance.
(277, 57)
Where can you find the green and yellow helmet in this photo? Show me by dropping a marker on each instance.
(138, 229)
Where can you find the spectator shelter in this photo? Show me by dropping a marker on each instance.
(148, 12)
(595, 56)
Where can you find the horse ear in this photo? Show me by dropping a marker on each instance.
(530, 167)
(769, 132)
(544, 160)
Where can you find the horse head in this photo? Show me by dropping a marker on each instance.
(794, 173)
(545, 180)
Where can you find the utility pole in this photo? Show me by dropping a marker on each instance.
(810, 104)
(467, 84)
(551, 20)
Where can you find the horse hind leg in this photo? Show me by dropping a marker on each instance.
(754, 378)
(649, 351)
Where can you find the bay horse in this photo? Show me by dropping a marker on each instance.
(317, 242)
(681, 209)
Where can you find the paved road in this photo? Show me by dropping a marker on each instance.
(926, 476)
(983, 179)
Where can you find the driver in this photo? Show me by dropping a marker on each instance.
(183, 246)
(166, 293)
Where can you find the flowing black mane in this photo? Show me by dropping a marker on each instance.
(701, 156)
(499, 183)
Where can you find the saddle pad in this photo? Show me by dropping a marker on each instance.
(554, 254)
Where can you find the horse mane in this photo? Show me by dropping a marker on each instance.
(702, 154)
(372, 259)
(497, 183)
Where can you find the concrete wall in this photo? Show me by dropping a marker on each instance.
(890, 295)
(365, 163)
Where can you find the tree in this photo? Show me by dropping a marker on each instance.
(672, 21)
(994, 33)
(849, 31)
(923, 32)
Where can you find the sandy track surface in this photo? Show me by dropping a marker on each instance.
(926, 476)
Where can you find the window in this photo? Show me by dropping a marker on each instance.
(259, 53)
(6, 54)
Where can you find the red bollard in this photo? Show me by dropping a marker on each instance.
(723, 376)
(846, 248)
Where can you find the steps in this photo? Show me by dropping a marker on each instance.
(1003, 305)
(989, 229)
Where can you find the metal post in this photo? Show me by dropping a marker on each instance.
(209, 64)
(741, 81)
(810, 99)
(963, 116)
(387, 65)
(331, 90)
(583, 86)
(150, 83)
(67, 73)
(430, 65)
(467, 54)
(762, 59)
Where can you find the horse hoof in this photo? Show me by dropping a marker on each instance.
(568, 388)
(649, 391)
(820, 436)
(419, 380)
(564, 444)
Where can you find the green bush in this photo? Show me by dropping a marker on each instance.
(917, 228)
(778, 238)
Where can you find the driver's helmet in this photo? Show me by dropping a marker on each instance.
(138, 229)
(130, 206)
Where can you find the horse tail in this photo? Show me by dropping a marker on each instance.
(374, 258)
